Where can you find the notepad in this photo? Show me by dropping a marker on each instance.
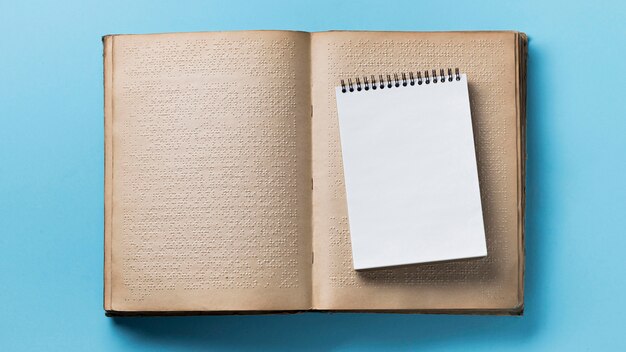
(410, 169)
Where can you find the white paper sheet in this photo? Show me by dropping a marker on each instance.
(410, 173)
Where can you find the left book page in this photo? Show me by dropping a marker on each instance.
(207, 172)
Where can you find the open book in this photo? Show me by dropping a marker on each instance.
(224, 188)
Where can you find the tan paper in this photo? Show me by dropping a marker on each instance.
(490, 62)
(223, 178)
(208, 172)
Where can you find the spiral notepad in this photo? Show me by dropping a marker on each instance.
(410, 168)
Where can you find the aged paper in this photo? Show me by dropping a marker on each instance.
(223, 184)
(490, 60)
(208, 180)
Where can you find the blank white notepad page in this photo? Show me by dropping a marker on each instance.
(410, 173)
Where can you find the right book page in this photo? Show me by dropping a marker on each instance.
(491, 61)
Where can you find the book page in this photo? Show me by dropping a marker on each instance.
(208, 189)
(491, 283)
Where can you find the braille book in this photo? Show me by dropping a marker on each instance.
(410, 168)
(224, 180)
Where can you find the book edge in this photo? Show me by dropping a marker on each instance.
(501, 312)
(332, 31)
(522, 86)
(108, 163)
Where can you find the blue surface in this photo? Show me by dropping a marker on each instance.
(51, 171)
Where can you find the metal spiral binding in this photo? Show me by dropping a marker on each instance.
(403, 79)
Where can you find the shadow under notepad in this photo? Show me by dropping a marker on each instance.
(323, 331)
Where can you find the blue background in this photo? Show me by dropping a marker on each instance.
(51, 172)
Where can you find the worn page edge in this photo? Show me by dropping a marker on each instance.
(108, 167)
